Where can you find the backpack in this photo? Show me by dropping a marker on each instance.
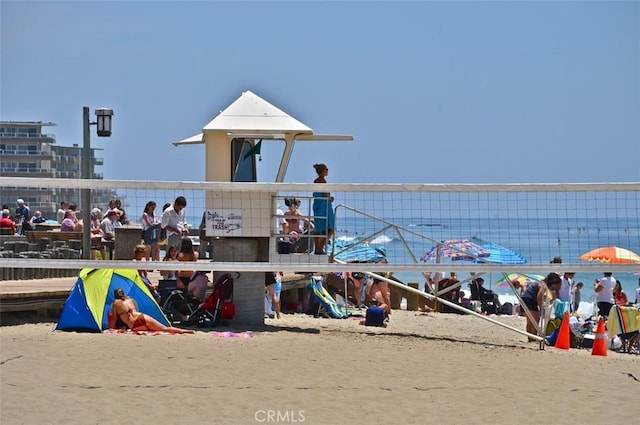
(506, 308)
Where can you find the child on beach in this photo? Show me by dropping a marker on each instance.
(171, 255)
(138, 255)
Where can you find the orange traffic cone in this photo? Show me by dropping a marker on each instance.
(562, 341)
(600, 343)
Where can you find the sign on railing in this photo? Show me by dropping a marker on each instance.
(223, 222)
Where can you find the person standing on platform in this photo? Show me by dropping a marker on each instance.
(150, 231)
(174, 222)
(322, 211)
(22, 217)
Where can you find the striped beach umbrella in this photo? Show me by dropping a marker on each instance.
(456, 250)
(519, 277)
(612, 255)
(498, 254)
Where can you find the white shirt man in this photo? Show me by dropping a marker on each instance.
(175, 222)
(604, 293)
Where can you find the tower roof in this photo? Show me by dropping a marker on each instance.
(251, 113)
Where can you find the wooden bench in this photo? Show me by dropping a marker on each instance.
(34, 236)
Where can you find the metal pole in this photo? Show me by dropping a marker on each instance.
(86, 193)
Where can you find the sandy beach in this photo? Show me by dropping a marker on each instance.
(421, 369)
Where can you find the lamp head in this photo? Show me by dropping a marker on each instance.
(104, 121)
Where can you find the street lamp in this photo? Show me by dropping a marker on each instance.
(103, 130)
(104, 121)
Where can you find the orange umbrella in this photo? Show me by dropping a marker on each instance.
(611, 254)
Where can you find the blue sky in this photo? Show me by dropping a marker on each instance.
(433, 92)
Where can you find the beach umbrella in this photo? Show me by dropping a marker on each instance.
(455, 249)
(498, 254)
(520, 277)
(611, 254)
(356, 252)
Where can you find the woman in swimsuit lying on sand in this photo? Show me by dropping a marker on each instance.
(125, 309)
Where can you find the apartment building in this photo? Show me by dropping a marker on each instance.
(27, 150)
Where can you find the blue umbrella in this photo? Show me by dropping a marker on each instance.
(354, 252)
(498, 254)
(456, 250)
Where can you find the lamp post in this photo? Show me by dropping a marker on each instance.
(103, 130)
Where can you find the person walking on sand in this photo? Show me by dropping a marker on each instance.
(125, 309)
(324, 219)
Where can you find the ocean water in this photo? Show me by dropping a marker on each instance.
(537, 240)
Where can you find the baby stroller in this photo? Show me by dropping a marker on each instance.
(178, 305)
(217, 306)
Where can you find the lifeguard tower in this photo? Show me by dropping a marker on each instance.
(239, 224)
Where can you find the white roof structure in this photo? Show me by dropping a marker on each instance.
(252, 113)
(251, 117)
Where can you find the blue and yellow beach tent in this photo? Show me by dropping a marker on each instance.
(90, 299)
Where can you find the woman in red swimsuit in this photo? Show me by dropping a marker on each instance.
(125, 309)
